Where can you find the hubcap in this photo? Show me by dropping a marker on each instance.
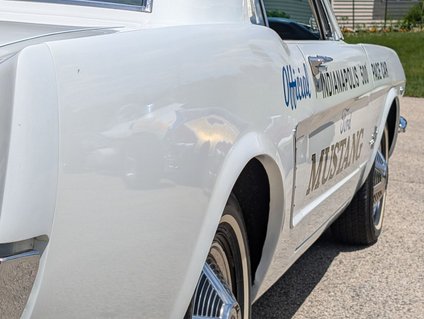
(213, 298)
(379, 187)
(222, 291)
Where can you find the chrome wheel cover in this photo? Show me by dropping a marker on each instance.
(380, 180)
(214, 297)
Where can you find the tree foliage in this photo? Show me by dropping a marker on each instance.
(277, 14)
(415, 16)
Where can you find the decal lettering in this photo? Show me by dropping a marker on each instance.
(364, 74)
(339, 81)
(334, 159)
(379, 70)
(346, 121)
(296, 85)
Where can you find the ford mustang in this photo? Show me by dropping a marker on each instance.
(173, 158)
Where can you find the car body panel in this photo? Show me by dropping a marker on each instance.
(33, 135)
(337, 131)
(126, 134)
(211, 130)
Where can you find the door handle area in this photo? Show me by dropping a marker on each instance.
(317, 63)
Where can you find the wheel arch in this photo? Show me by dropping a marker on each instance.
(252, 191)
(255, 158)
(255, 149)
(390, 115)
(393, 124)
(259, 190)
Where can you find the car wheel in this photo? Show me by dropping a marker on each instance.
(362, 221)
(223, 290)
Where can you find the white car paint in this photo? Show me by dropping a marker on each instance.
(124, 132)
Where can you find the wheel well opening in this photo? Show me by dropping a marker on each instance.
(392, 123)
(253, 193)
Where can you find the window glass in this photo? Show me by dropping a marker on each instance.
(292, 19)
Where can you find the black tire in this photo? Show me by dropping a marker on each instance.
(362, 221)
(229, 257)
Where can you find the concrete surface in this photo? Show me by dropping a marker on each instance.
(385, 280)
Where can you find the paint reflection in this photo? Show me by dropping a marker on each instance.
(161, 146)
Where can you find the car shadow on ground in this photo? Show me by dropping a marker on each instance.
(286, 296)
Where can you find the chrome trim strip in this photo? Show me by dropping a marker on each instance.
(9, 250)
(321, 128)
(292, 206)
(52, 34)
(145, 5)
(354, 104)
(31, 253)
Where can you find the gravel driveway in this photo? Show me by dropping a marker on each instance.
(382, 281)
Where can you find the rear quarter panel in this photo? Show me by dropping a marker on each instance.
(155, 126)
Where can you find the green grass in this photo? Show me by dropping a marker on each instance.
(409, 47)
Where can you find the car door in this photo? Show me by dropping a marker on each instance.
(332, 144)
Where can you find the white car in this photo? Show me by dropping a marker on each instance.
(173, 158)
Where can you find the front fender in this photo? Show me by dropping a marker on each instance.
(392, 97)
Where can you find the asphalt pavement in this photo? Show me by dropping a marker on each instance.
(385, 280)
